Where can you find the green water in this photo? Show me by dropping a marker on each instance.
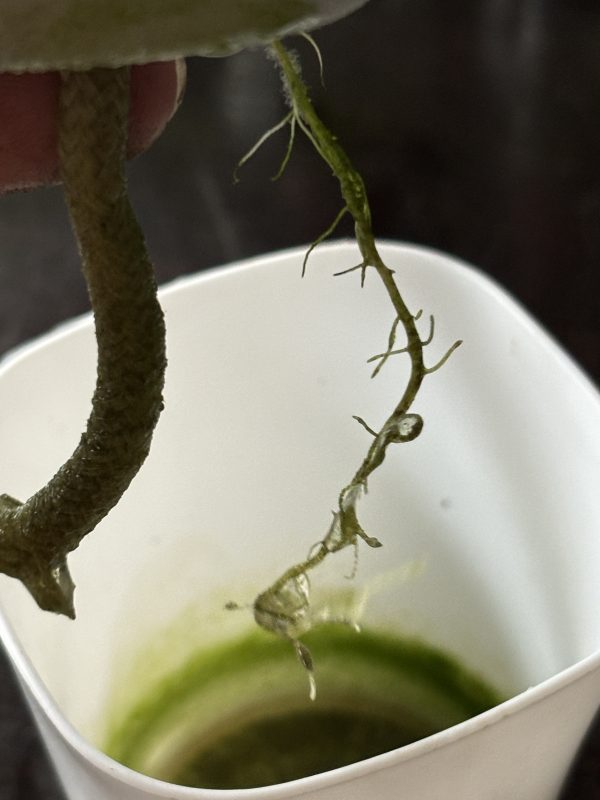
(239, 716)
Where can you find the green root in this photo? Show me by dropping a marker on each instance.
(284, 608)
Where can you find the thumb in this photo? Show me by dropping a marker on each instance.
(29, 115)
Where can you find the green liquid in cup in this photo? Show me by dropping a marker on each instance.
(239, 715)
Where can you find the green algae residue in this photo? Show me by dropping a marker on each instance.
(284, 747)
(238, 715)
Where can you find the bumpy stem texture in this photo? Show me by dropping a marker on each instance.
(36, 536)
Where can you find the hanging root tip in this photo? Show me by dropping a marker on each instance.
(305, 658)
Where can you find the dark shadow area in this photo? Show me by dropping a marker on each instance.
(583, 780)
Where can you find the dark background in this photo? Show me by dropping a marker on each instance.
(476, 125)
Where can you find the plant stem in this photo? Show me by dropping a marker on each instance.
(36, 536)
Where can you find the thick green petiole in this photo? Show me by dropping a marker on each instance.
(37, 535)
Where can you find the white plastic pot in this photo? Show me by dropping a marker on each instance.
(498, 499)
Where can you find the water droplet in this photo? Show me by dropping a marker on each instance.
(405, 429)
(352, 495)
(283, 611)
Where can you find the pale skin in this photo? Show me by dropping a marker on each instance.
(29, 109)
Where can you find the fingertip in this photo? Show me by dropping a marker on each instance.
(156, 93)
(29, 113)
(28, 142)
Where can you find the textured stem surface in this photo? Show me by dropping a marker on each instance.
(36, 536)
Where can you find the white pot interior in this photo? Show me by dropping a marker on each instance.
(494, 508)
